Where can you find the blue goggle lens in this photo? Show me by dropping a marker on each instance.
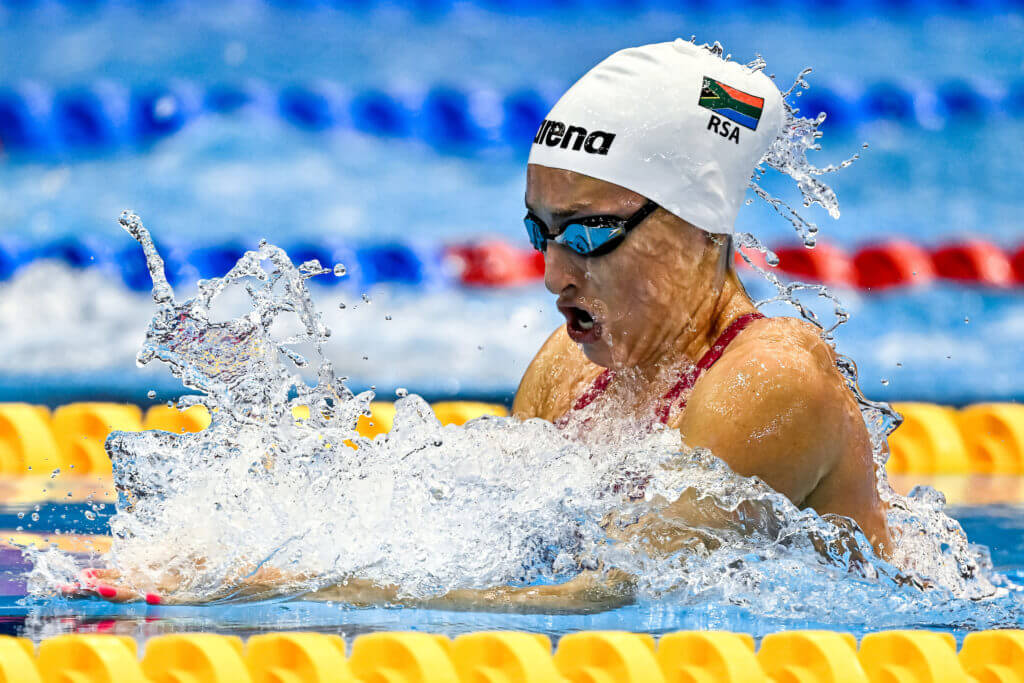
(585, 240)
(537, 239)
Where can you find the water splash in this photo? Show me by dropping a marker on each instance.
(282, 480)
(787, 154)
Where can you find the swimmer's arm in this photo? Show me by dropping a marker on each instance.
(588, 591)
(532, 396)
(555, 377)
(775, 414)
(784, 414)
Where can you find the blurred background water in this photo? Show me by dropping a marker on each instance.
(316, 125)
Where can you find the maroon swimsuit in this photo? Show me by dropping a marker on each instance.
(687, 378)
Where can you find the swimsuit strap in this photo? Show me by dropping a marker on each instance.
(595, 390)
(690, 376)
(687, 378)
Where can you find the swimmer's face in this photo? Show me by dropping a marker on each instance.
(625, 308)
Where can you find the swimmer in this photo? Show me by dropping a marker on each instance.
(633, 187)
(634, 182)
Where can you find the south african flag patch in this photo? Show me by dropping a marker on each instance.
(733, 104)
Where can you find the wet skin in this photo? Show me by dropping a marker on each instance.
(774, 405)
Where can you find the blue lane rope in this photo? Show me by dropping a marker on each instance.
(38, 122)
(416, 265)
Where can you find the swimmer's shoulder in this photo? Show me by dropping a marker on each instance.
(555, 377)
(789, 345)
(776, 365)
(772, 407)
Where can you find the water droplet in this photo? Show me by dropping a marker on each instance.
(366, 358)
(341, 305)
(401, 392)
(21, 515)
(35, 516)
(53, 475)
(366, 298)
(885, 382)
(90, 515)
(966, 320)
(339, 270)
(151, 394)
(899, 364)
(387, 317)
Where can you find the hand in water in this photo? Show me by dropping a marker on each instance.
(112, 585)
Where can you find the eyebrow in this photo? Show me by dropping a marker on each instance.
(566, 212)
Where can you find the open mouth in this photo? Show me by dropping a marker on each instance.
(584, 320)
(581, 325)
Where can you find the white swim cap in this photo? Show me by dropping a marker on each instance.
(671, 121)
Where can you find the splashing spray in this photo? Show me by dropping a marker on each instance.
(282, 481)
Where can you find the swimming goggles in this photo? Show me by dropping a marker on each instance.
(590, 236)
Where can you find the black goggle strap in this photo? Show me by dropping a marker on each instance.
(642, 213)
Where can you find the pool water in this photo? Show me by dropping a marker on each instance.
(1000, 526)
(930, 175)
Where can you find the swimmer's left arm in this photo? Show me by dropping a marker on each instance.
(779, 409)
(774, 412)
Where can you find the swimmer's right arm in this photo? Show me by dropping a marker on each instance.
(531, 394)
(555, 377)
(588, 591)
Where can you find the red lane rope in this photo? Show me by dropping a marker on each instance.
(879, 266)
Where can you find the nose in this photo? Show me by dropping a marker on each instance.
(561, 268)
